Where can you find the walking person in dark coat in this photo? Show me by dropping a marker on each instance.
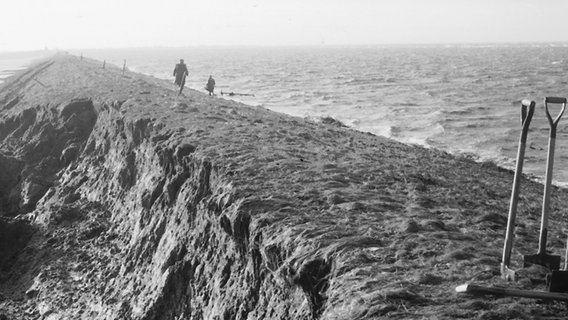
(180, 72)
(210, 86)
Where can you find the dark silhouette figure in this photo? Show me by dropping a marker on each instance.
(180, 72)
(210, 86)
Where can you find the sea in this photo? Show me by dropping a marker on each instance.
(461, 98)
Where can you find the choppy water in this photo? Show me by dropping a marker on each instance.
(463, 99)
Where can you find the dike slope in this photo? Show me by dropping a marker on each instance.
(120, 199)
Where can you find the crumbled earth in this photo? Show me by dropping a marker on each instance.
(120, 199)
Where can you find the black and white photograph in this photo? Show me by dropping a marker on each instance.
(299, 159)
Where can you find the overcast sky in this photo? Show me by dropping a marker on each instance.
(74, 24)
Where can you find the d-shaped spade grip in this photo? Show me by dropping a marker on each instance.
(554, 123)
(527, 111)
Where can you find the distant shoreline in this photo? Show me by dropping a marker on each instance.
(12, 63)
(12, 53)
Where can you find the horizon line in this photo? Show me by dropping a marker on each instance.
(433, 44)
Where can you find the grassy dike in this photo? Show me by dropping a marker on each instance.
(120, 199)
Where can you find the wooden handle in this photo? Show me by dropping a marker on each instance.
(470, 288)
(527, 111)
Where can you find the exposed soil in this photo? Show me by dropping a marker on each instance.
(120, 199)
